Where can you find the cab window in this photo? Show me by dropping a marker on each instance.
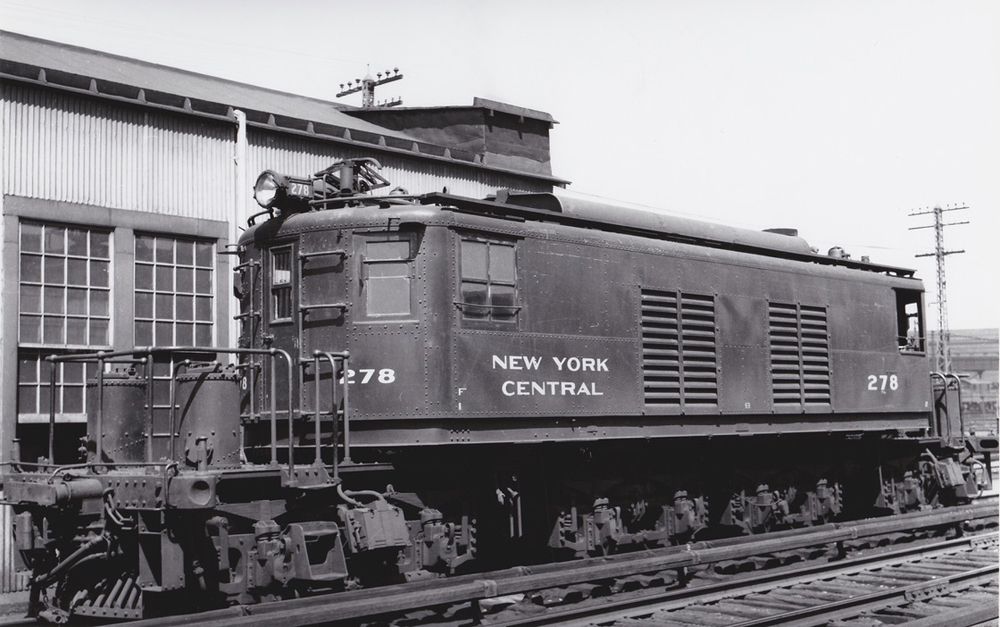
(387, 278)
(281, 284)
(910, 335)
(488, 280)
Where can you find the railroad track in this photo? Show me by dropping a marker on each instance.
(951, 583)
(624, 587)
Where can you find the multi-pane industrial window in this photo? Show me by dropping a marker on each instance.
(64, 305)
(281, 284)
(173, 291)
(65, 286)
(34, 393)
(488, 280)
(387, 270)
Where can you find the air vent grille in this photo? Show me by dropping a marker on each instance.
(679, 362)
(800, 355)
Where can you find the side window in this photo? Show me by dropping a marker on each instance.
(387, 276)
(65, 286)
(174, 291)
(909, 321)
(64, 305)
(488, 280)
(281, 284)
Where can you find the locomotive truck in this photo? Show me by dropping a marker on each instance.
(431, 384)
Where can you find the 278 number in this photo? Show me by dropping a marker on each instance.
(385, 375)
(878, 383)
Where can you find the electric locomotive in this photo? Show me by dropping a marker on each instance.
(430, 384)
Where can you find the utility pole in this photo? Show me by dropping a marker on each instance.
(943, 356)
(367, 87)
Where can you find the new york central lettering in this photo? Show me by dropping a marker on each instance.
(516, 362)
(556, 365)
(549, 388)
(570, 364)
(581, 364)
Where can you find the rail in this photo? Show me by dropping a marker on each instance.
(813, 595)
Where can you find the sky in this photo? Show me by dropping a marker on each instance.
(839, 119)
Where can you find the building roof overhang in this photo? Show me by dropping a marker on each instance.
(103, 75)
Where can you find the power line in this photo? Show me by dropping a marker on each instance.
(943, 357)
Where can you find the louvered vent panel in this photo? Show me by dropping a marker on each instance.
(815, 355)
(661, 366)
(785, 372)
(678, 349)
(698, 362)
(800, 354)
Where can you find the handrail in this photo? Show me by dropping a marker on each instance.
(345, 355)
(150, 351)
(52, 408)
(332, 357)
(291, 416)
(961, 415)
(307, 308)
(84, 466)
(935, 423)
(53, 360)
(945, 378)
(252, 318)
(272, 352)
(173, 404)
(319, 458)
(340, 252)
(274, 415)
(99, 426)
(149, 405)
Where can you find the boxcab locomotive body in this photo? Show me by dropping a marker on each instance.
(430, 384)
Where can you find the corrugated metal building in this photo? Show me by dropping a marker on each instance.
(123, 183)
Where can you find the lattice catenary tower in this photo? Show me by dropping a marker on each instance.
(943, 357)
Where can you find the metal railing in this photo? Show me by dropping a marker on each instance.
(943, 423)
(145, 356)
(333, 358)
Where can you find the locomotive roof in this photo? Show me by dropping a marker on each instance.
(588, 214)
(621, 219)
(652, 221)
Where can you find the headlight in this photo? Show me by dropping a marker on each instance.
(268, 187)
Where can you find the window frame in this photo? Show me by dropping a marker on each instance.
(365, 264)
(40, 381)
(490, 320)
(285, 288)
(155, 291)
(44, 286)
(904, 298)
(121, 225)
(36, 383)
